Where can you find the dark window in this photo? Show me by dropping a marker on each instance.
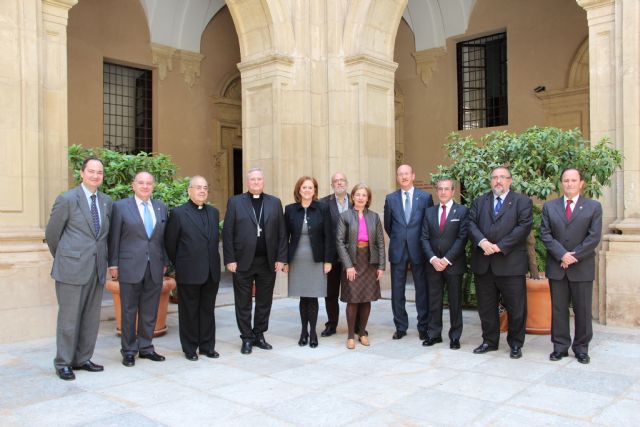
(127, 109)
(482, 82)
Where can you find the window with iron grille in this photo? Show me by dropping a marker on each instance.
(482, 82)
(126, 109)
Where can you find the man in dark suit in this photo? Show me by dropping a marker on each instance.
(571, 229)
(191, 240)
(338, 202)
(255, 248)
(444, 236)
(138, 260)
(499, 223)
(77, 238)
(403, 214)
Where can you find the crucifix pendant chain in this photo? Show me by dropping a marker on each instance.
(258, 219)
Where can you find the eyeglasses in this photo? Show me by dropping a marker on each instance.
(200, 187)
(500, 178)
(339, 180)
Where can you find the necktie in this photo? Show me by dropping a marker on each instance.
(148, 221)
(407, 206)
(496, 209)
(94, 214)
(443, 217)
(568, 211)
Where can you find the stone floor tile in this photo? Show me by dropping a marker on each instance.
(199, 409)
(17, 392)
(373, 391)
(621, 413)
(579, 377)
(128, 419)
(315, 377)
(559, 401)
(211, 375)
(633, 392)
(482, 386)
(522, 369)
(505, 415)
(148, 392)
(260, 392)
(250, 420)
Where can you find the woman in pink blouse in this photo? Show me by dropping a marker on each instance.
(360, 245)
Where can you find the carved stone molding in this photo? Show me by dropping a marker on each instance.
(57, 10)
(189, 65)
(588, 4)
(162, 57)
(426, 62)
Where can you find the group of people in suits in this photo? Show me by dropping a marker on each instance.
(331, 247)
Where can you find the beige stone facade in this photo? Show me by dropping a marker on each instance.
(302, 88)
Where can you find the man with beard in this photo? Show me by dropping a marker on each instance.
(499, 223)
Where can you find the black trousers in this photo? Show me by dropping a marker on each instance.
(437, 281)
(398, 299)
(333, 294)
(139, 301)
(580, 295)
(514, 297)
(196, 305)
(264, 277)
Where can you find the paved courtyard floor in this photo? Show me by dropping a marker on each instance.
(389, 383)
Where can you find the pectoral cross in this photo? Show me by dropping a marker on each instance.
(259, 230)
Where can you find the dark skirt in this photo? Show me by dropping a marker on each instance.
(366, 287)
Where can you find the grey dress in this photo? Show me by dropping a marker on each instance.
(306, 277)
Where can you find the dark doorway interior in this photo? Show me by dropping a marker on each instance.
(237, 171)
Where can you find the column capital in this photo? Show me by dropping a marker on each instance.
(189, 65)
(426, 62)
(592, 4)
(273, 65)
(161, 55)
(371, 66)
(57, 10)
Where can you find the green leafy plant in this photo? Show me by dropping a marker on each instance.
(121, 168)
(536, 158)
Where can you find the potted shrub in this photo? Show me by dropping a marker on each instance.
(119, 171)
(536, 158)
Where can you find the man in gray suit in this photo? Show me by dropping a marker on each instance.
(138, 259)
(571, 229)
(77, 237)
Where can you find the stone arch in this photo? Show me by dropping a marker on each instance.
(399, 124)
(371, 27)
(579, 70)
(263, 27)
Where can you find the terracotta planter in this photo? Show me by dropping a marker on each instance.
(538, 306)
(160, 329)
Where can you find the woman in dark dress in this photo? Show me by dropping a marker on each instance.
(311, 249)
(360, 245)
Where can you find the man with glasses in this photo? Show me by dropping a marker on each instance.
(499, 223)
(338, 202)
(191, 239)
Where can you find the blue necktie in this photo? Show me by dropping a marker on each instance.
(94, 214)
(496, 209)
(407, 206)
(148, 221)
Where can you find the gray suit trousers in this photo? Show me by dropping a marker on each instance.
(78, 321)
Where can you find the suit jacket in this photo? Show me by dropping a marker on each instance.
(581, 234)
(77, 251)
(191, 247)
(330, 200)
(509, 230)
(319, 227)
(400, 232)
(347, 238)
(451, 242)
(129, 245)
(239, 233)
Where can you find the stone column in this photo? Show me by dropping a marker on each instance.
(33, 167)
(614, 52)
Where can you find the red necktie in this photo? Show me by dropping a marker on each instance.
(567, 211)
(443, 217)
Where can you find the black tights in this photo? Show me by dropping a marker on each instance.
(358, 312)
(309, 315)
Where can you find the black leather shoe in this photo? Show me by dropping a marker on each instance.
(247, 347)
(399, 334)
(423, 335)
(558, 355)
(191, 356)
(516, 352)
(66, 373)
(210, 354)
(431, 341)
(313, 341)
(260, 342)
(328, 331)
(583, 358)
(152, 356)
(90, 366)
(454, 344)
(128, 360)
(483, 348)
(304, 340)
